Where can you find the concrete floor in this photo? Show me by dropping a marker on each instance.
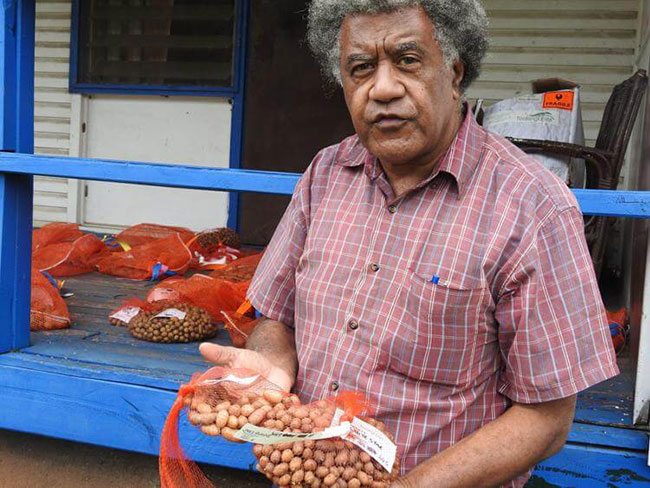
(30, 461)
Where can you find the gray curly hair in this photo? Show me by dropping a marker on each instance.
(460, 26)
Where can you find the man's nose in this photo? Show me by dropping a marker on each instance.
(387, 87)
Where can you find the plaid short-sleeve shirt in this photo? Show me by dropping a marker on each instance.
(442, 305)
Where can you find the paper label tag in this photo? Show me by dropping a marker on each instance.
(126, 314)
(171, 312)
(231, 378)
(261, 435)
(370, 439)
(559, 99)
(374, 442)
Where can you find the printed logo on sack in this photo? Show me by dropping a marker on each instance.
(562, 100)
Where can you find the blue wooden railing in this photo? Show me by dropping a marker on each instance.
(16, 171)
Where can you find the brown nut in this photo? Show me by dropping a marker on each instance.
(210, 430)
(229, 435)
(363, 478)
(297, 448)
(275, 456)
(298, 476)
(204, 408)
(233, 422)
(330, 479)
(247, 410)
(286, 455)
(295, 464)
(322, 471)
(221, 418)
(310, 465)
(273, 396)
(281, 469)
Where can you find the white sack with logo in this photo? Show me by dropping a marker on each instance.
(534, 117)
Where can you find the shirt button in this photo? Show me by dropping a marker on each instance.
(374, 267)
(392, 209)
(334, 386)
(353, 324)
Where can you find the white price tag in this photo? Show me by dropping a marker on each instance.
(171, 312)
(126, 314)
(370, 439)
(261, 435)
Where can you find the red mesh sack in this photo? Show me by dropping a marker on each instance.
(215, 247)
(69, 258)
(351, 456)
(141, 234)
(129, 309)
(306, 445)
(203, 291)
(157, 259)
(240, 270)
(48, 311)
(216, 390)
(240, 323)
(54, 232)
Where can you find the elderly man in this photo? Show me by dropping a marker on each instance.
(428, 263)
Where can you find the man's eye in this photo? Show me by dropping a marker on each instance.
(408, 60)
(360, 68)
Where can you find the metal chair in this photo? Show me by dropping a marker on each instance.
(604, 161)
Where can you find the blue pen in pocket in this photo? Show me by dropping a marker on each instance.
(435, 280)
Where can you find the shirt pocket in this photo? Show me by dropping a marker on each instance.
(437, 333)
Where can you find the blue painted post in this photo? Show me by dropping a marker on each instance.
(238, 105)
(16, 190)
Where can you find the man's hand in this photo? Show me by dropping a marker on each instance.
(400, 484)
(270, 351)
(232, 357)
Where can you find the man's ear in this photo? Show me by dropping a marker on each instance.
(458, 74)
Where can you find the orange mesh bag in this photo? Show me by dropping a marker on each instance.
(203, 291)
(215, 247)
(332, 443)
(240, 323)
(48, 311)
(129, 309)
(141, 234)
(155, 260)
(54, 232)
(209, 398)
(300, 445)
(241, 270)
(69, 258)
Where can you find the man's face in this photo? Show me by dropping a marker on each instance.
(403, 99)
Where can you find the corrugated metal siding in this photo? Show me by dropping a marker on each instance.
(591, 42)
(52, 111)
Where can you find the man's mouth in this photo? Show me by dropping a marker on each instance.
(389, 121)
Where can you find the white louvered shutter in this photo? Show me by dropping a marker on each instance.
(590, 42)
(52, 105)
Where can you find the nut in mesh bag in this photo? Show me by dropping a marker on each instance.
(180, 322)
(225, 414)
(336, 462)
(214, 401)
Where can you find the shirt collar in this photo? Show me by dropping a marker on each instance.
(459, 161)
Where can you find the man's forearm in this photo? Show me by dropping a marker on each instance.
(277, 343)
(499, 451)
